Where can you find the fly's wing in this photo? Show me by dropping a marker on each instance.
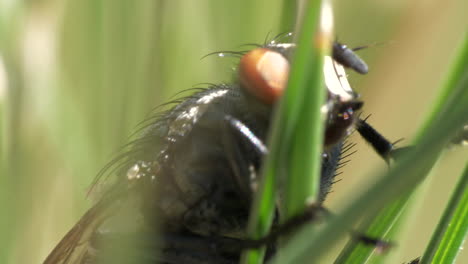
(78, 245)
(73, 248)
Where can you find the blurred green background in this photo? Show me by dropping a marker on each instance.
(76, 77)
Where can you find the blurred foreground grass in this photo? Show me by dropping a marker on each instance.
(76, 77)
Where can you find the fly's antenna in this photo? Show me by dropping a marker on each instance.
(368, 46)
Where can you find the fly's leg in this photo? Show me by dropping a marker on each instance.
(237, 137)
(312, 213)
(379, 143)
(247, 134)
(380, 245)
(224, 244)
(174, 248)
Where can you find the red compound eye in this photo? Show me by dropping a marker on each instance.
(264, 74)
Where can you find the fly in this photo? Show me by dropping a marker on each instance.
(184, 190)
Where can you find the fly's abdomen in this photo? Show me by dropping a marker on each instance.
(199, 190)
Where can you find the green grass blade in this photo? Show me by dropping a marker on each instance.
(296, 137)
(385, 226)
(380, 227)
(288, 15)
(447, 117)
(452, 229)
(304, 98)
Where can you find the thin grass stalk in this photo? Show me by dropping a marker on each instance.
(380, 227)
(302, 150)
(288, 15)
(386, 226)
(451, 232)
(304, 94)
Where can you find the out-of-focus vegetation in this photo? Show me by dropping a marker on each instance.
(76, 77)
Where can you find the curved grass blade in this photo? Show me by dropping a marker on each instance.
(382, 227)
(452, 229)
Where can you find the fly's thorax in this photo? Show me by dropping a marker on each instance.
(194, 157)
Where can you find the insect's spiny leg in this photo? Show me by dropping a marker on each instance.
(380, 245)
(311, 213)
(245, 131)
(379, 143)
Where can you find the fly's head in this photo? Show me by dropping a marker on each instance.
(264, 71)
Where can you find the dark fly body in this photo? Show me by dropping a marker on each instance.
(192, 175)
